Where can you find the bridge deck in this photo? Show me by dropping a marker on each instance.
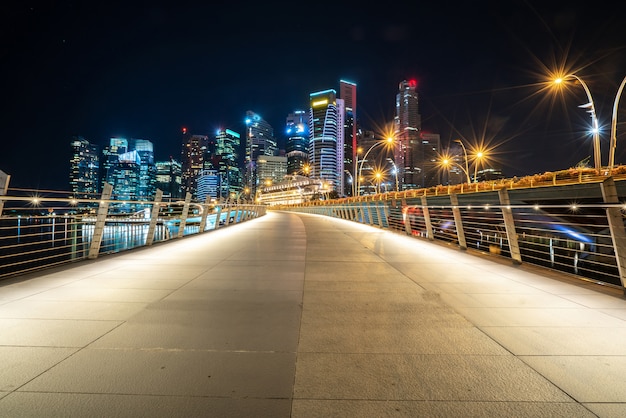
(304, 316)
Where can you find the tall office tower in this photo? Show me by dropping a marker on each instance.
(225, 159)
(147, 170)
(271, 169)
(347, 91)
(323, 136)
(259, 141)
(408, 125)
(84, 168)
(168, 178)
(193, 154)
(124, 175)
(427, 157)
(297, 142)
(110, 157)
(208, 185)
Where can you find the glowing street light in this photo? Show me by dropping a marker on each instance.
(446, 162)
(389, 141)
(597, 157)
(479, 156)
(466, 163)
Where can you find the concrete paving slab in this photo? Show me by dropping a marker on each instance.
(21, 364)
(52, 332)
(52, 309)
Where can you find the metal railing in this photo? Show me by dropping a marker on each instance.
(42, 229)
(574, 226)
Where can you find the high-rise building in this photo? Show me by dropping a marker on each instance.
(146, 188)
(427, 157)
(110, 158)
(408, 126)
(84, 168)
(297, 142)
(168, 178)
(225, 159)
(324, 126)
(208, 185)
(193, 155)
(271, 169)
(260, 140)
(347, 91)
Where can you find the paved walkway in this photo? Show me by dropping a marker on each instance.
(304, 316)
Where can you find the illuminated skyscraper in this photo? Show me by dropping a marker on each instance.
(225, 160)
(408, 125)
(146, 188)
(169, 178)
(325, 148)
(259, 141)
(347, 91)
(194, 149)
(297, 142)
(84, 168)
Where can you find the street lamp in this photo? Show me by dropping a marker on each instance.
(479, 155)
(614, 126)
(466, 163)
(597, 157)
(388, 142)
(446, 162)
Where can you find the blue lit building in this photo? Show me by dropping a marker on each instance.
(84, 168)
(325, 139)
(225, 159)
(260, 141)
(297, 142)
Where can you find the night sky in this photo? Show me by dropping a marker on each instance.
(103, 69)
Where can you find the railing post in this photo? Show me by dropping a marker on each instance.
(236, 208)
(616, 226)
(427, 222)
(154, 216)
(408, 229)
(509, 225)
(458, 222)
(218, 214)
(378, 215)
(98, 229)
(370, 215)
(183, 216)
(205, 213)
(4, 187)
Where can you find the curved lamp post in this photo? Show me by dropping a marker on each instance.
(597, 157)
(466, 163)
(614, 126)
(447, 163)
(358, 177)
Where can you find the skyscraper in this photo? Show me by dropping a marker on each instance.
(225, 160)
(168, 178)
(324, 126)
(194, 149)
(297, 142)
(347, 91)
(259, 141)
(146, 188)
(84, 168)
(408, 125)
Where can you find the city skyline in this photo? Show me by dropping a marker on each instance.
(147, 72)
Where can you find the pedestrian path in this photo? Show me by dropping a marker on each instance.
(295, 315)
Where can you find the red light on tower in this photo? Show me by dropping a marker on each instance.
(184, 130)
(413, 83)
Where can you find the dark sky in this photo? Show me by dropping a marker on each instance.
(147, 69)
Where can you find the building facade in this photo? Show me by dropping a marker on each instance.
(193, 156)
(260, 141)
(84, 168)
(297, 131)
(324, 126)
(408, 125)
(347, 92)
